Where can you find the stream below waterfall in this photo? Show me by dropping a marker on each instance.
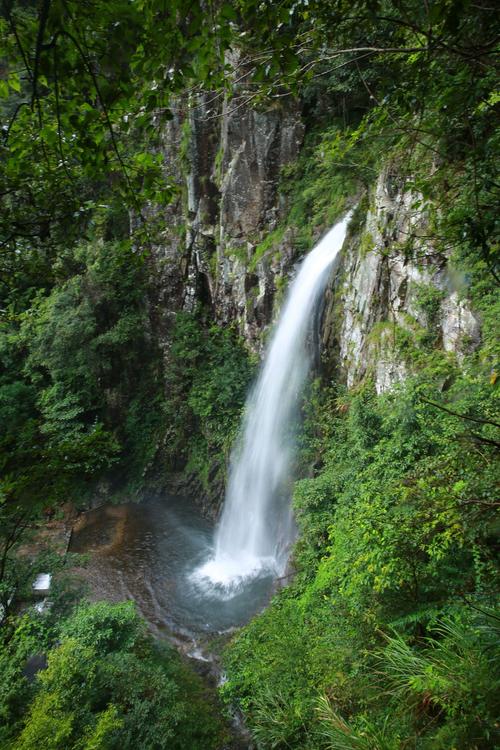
(146, 552)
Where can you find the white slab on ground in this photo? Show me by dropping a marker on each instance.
(41, 584)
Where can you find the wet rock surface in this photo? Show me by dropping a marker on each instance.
(391, 276)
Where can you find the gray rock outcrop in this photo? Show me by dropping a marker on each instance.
(391, 281)
(226, 159)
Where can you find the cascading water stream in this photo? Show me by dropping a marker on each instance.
(256, 528)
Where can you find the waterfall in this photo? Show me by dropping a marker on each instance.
(257, 528)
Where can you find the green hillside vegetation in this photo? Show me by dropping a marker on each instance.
(386, 637)
(106, 685)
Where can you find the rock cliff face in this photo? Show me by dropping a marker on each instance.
(393, 284)
(254, 148)
(227, 159)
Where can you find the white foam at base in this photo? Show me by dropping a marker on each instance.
(223, 576)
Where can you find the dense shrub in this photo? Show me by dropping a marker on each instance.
(208, 375)
(388, 636)
(106, 685)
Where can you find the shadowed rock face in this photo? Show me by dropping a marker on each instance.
(226, 160)
(34, 664)
(255, 147)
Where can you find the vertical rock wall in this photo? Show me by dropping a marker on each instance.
(392, 279)
(226, 159)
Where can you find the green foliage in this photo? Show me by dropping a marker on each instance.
(444, 691)
(79, 368)
(78, 89)
(86, 353)
(335, 733)
(397, 533)
(106, 685)
(455, 675)
(270, 242)
(397, 525)
(207, 379)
